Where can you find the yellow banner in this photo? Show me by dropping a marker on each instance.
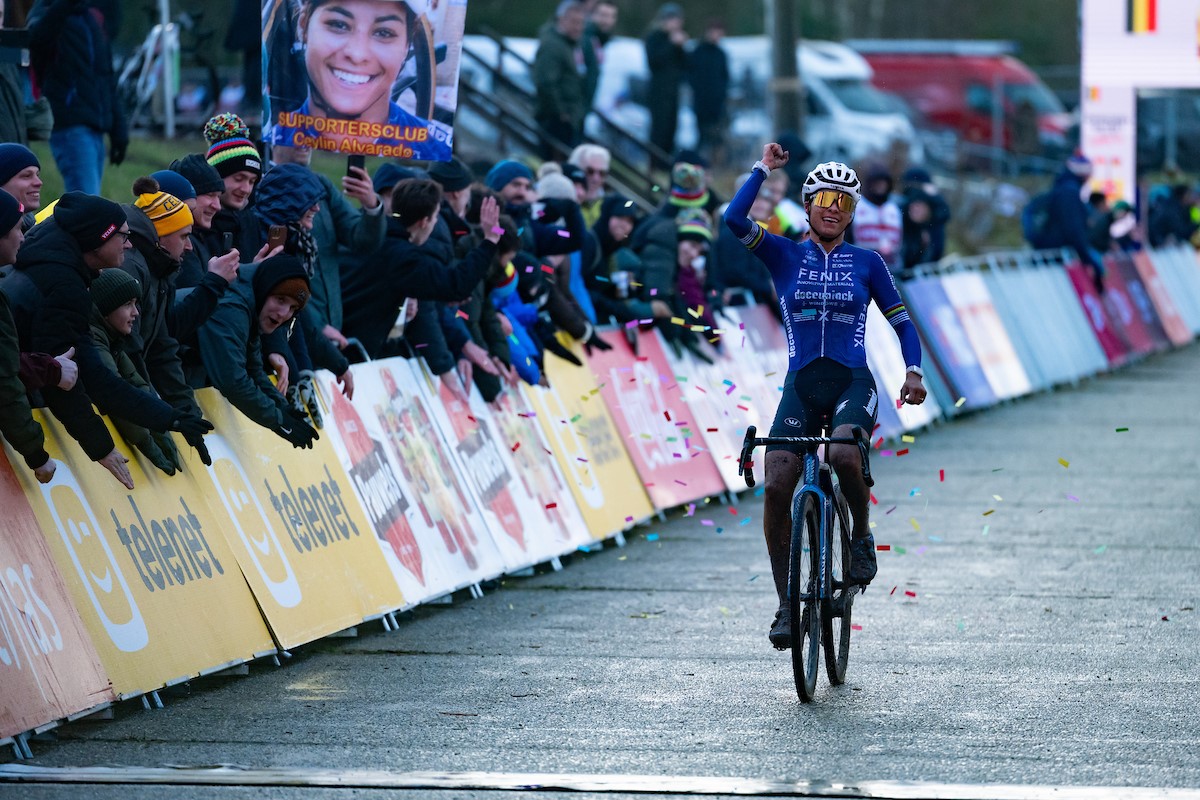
(588, 447)
(299, 533)
(150, 572)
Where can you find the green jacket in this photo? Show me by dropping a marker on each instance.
(16, 418)
(560, 81)
(338, 224)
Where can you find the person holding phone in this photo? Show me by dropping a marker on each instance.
(354, 52)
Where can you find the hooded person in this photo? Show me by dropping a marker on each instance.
(265, 297)
(289, 196)
(115, 297)
(48, 293)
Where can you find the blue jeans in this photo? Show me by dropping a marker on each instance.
(79, 153)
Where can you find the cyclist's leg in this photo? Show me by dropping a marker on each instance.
(857, 408)
(783, 473)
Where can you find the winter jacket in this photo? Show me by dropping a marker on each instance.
(17, 424)
(1066, 219)
(560, 78)
(72, 55)
(374, 292)
(12, 106)
(48, 294)
(339, 225)
(244, 227)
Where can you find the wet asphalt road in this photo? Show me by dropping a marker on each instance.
(1052, 642)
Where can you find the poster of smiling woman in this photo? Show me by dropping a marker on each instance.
(362, 77)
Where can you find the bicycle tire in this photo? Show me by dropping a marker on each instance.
(839, 601)
(803, 606)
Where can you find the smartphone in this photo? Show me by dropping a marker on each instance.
(276, 237)
(226, 243)
(359, 161)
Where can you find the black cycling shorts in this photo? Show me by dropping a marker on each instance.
(823, 387)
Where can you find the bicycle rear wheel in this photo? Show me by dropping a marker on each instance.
(836, 607)
(802, 595)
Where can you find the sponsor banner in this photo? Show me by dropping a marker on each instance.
(972, 302)
(655, 422)
(48, 666)
(564, 528)
(427, 463)
(1114, 348)
(520, 527)
(152, 577)
(1140, 298)
(887, 363)
(718, 408)
(1123, 312)
(372, 77)
(1045, 294)
(296, 528)
(585, 441)
(367, 452)
(951, 349)
(1176, 266)
(1168, 313)
(757, 363)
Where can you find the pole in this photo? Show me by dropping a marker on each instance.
(169, 42)
(785, 86)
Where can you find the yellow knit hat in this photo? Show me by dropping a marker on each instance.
(166, 211)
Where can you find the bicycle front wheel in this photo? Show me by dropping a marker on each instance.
(839, 601)
(803, 606)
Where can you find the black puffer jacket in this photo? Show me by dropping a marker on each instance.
(70, 47)
(48, 294)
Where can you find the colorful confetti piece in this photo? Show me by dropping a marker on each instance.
(1064, 463)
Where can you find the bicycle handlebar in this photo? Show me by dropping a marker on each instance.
(745, 464)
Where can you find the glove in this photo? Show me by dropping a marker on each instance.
(190, 424)
(201, 450)
(306, 389)
(153, 448)
(594, 340)
(116, 150)
(554, 346)
(631, 336)
(295, 429)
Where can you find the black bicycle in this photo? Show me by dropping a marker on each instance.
(820, 601)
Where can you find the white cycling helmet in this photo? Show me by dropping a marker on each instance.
(832, 175)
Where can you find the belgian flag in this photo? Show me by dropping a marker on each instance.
(1141, 16)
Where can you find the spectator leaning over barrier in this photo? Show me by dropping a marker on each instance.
(207, 186)
(232, 155)
(375, 293)
(21, 176)
(289, 196)
(265, 297)
(559, 76)
(115, 294)
(877, 221)
(48, 293)
(17, 424)
(71, 54)
(595, 162)
(1065, 223)
(337, 226)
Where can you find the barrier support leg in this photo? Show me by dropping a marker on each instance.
(556, 564)
(619, 538)
(21, 746)
(527, 572)
(476, 590)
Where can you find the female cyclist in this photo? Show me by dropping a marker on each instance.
(824, 286)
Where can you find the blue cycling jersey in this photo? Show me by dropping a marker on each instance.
(824, 296)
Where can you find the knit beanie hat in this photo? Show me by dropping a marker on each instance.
(1079, 165)
(688, 185)
(505, 173)
(389, 174)
(693, 224)
(199, 173)
(281, 275)
(229, 147)
(13, 159)
(113, 288)
(166, 211)
(453, 175)
(556, 186)
(91, 220)
(172, 182)
(10, 213)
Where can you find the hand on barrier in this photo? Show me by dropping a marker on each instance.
(346, 379)
(597, 342)
(115, 463)
(197, 442)
(156, 447)
(631, 336)
(554, 346)
(295, 429)
(45, 473)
